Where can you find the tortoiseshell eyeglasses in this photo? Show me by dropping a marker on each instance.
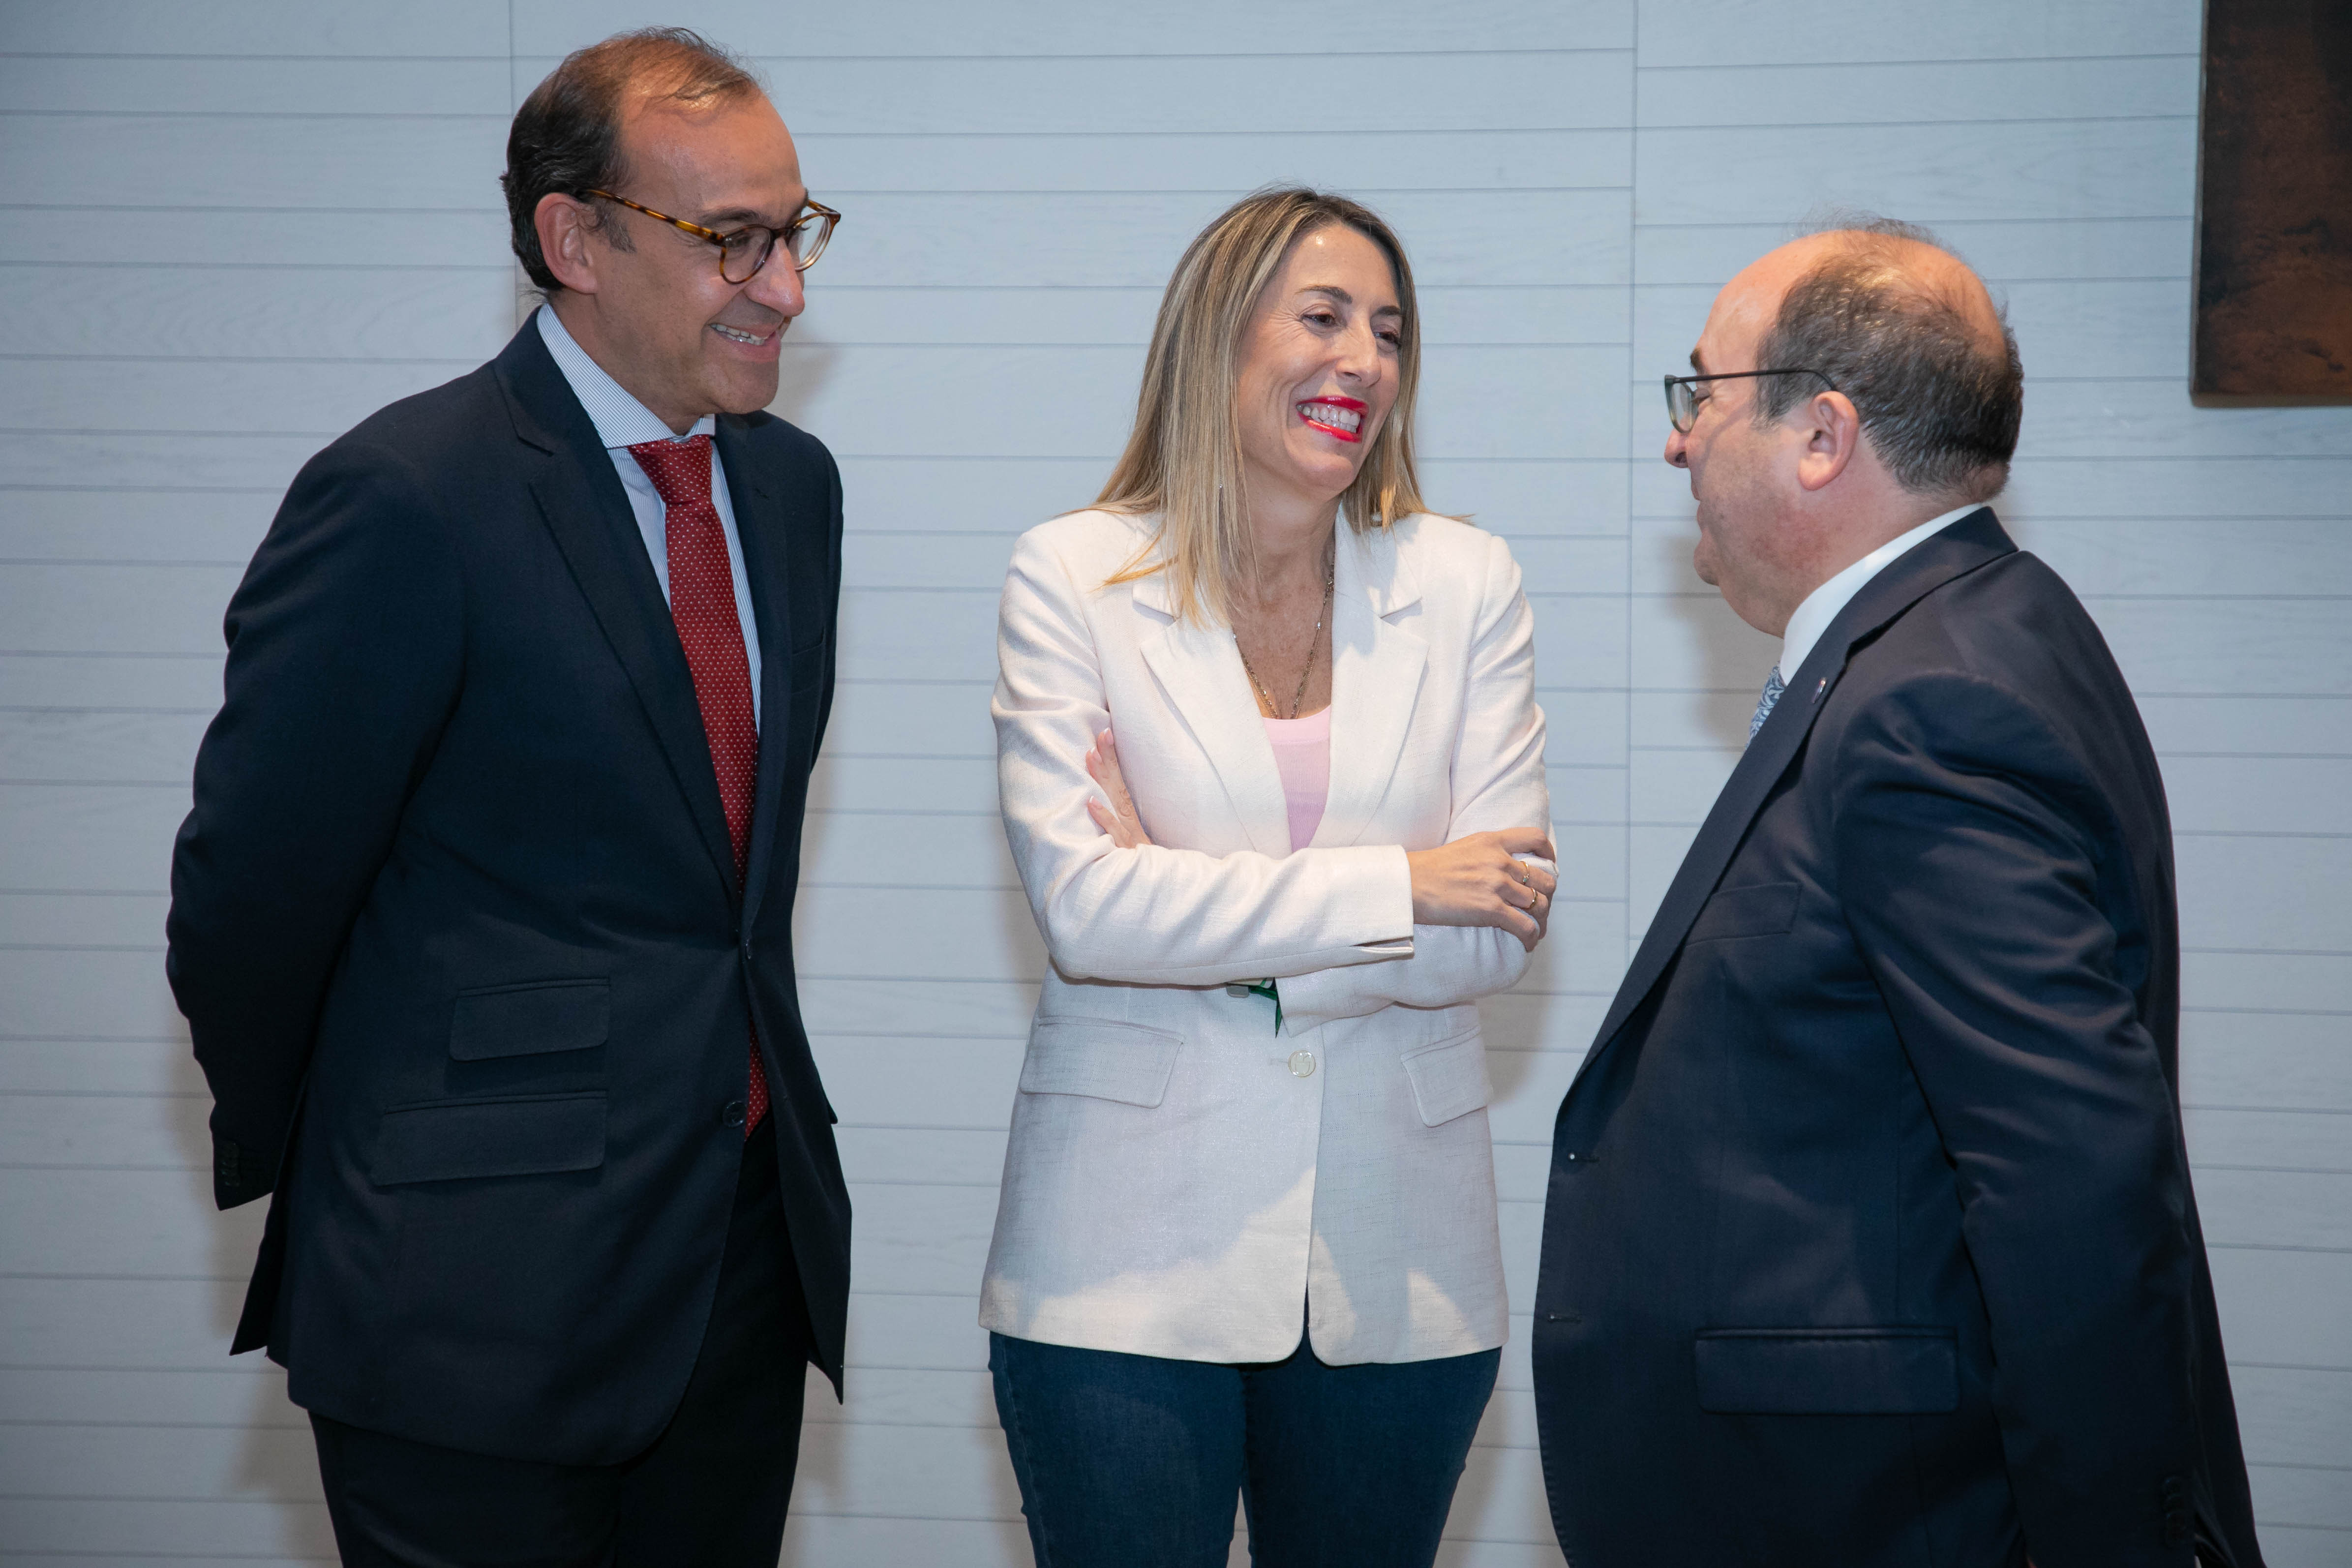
(743, 251)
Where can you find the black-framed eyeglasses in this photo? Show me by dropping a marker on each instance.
(1682, 402)
(743, 251)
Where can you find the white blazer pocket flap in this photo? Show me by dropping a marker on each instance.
(1100, 1059)
(1449, 1077)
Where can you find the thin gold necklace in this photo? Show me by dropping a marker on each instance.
(1315, 639)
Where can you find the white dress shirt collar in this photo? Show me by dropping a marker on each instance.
(620, 419)
(1821, 605)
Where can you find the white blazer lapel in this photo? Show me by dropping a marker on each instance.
(1376, 670)
(1200, 671)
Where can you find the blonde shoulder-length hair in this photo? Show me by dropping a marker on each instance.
(1183, 461)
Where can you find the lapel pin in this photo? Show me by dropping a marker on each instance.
(1825, 686)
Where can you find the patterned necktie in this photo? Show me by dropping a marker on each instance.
(702, 604)
(1773, 689)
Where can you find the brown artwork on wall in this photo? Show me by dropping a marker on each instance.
(2274, 205)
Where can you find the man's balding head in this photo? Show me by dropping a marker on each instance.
(1896, 395)
(568, 136)
(1905, 329)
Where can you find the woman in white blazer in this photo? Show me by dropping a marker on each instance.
(1275, 785)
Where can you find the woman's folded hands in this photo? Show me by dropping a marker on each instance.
(1479, 879)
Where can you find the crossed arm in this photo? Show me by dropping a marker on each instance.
(1477, 879)
(1348, 931)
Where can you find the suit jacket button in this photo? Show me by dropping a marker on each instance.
(1302, 1064)
(734, 1115)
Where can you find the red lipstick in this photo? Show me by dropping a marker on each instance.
(1332, 428)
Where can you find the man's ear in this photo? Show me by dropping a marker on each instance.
(1832, 433)
(564, 227)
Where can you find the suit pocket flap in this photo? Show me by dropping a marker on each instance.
(1767, 908)
(1102, 1059)
(1449, 1078)
(1827, 1371)
(525, 1020)
(458, 1139)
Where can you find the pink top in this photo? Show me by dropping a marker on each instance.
(1302, 754)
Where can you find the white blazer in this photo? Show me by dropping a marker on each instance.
(1181, 1181)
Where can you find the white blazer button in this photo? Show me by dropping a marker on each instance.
(1302, 1064)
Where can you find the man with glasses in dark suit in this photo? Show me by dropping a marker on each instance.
(482, 917)
(1869, 1238)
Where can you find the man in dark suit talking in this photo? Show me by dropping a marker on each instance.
(482, 917)
(1869, 1238)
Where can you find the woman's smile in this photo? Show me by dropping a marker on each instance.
(1342, 418)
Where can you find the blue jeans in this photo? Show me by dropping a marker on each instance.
(1133, 1461)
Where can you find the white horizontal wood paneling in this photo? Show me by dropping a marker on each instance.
(260, 29)
(1110, 97)
(133, 525)
(1473, 314)
(1988, 170)
(295, 220)
(1225, 28)
(81, 459)
(206, 397)
(2288, 981)
(173, 1529)
(865, 166)
(146, 84)
(273, 240)
(119, 316)
(1879, 92)
(1747, 32)
(1121, 236)
(77, 161)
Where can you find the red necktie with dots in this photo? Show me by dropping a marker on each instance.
(702, 602)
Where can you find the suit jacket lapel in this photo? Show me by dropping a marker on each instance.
(1200, 669)
(1376, 670)
(1963, 547)
(752, 492)
(580, 498)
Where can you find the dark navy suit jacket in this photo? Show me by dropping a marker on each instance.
(455, 924)
(1869, 1237)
